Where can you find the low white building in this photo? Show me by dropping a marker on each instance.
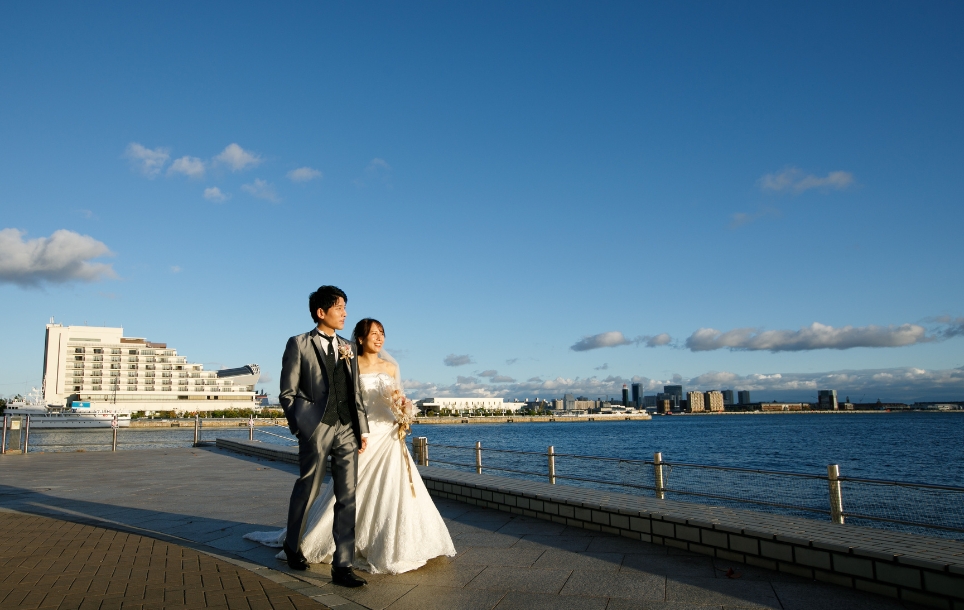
(126, 374)
(492, 405)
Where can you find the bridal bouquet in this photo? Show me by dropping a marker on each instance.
(404, 412)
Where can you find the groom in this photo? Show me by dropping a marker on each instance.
(320, 398)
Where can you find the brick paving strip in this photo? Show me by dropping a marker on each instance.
(48, 563)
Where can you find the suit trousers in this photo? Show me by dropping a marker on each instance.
(338, 441)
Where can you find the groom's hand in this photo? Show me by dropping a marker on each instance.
(364, 444)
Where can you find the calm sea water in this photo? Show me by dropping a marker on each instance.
(921, 447)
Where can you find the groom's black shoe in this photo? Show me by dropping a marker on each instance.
(345, 577)
(296, 561)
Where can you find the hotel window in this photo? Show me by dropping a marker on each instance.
(76, 388)
(115, 351)
(98, 358)
(147, 352)
(98, 366)
(132, 366)
(115, 359)
(165, 374)
(149, 381)
(115, 366)
(80, 358)
(132, 352)
(150, 359)
(98, 350)
(115, 373)
(96, 387)
(149, 374)
(132, 388)
(132, 374)
(149, 367)
(78, 350)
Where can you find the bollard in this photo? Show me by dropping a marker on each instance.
(424, 451)
(251, 428)
(197, 429)
(658, 476)
(26, 435)
(3, 441)
(478, 457)
(551, 454)
(113, 425)
(836, 496)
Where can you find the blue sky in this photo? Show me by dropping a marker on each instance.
(534, 198)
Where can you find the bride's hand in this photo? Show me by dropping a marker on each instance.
(364, 445)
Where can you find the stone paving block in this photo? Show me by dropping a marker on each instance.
(594, 583)
(518, 600)
(565, 560)
(531, 580)
(721, 591)
(808, 596)
(447, 598)
(522, 557)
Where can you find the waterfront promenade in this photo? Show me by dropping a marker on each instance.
(203, 500)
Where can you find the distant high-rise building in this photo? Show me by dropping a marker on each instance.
(727, 397)
(568, 402)
(743, 396)
(663, 405)
(625, 395)
(637, 395)
(827, 400)
(714, 401)
(675, 393)
(694, 402)
(649, 401)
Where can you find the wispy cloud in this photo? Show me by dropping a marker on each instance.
(457, 360)
(794, 180)
(815, 336)
(603, 367)
(65, 256)
(616, 338)
(948, 327)
(610, 339)
(175, 268)
(214, 194)
(147, 161)
(189, 166)
(238, 159)
(742, 218)
(511, 361)
(494, 377)
(377, 170)
(88, 214)
(262, 190)
(303, 174)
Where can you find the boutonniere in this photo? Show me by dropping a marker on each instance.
(344, 350)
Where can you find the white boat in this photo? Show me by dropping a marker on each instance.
(80, 415)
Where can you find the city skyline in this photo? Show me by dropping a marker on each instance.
(534, 202)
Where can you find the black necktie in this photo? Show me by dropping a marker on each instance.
(331, 348)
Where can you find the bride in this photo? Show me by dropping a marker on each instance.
(397, 527)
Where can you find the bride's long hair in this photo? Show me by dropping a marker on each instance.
(361, 331)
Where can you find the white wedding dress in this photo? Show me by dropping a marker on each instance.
(395, 531)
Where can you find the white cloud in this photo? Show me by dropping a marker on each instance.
(237, 158)
(214, 194)
(494, 377)
(262, 190)
(175, 268)
(303, 174)
(793, 179)
(189, 166)
(376, 170)
(457, 360)
(948, 327)
(145, 160)
(65, 256)
(603, 367)
(610, 339)
(815, 336)
(654, 340)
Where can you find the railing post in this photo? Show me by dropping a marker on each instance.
(836, 496)
(478, 457)
(113, 425)
(251, 428)
(658, 476)
(3, 442)
(26, 435)
(424, 451)
(551, 454)
(197, 429)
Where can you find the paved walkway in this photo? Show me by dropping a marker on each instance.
(48, 563)
(206, 499)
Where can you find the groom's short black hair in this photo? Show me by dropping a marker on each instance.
(324, 298)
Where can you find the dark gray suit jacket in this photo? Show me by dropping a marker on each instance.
(304, 385)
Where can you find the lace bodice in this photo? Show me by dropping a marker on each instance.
(377, 391)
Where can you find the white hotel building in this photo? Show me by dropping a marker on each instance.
(496, 405)
(126, 374)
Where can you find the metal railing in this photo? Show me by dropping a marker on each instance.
(934, 510)
(15, 435)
